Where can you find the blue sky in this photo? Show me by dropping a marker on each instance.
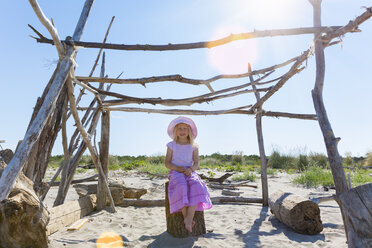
(26, 67)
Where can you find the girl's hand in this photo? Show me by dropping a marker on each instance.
(188, 172)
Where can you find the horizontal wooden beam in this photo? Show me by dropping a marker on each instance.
(196, 45)
(239, 110)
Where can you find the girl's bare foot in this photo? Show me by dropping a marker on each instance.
(189, 224)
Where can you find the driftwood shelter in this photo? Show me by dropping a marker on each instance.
(58, 103)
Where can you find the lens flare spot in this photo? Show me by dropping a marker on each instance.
(234, 56)
(109, 240)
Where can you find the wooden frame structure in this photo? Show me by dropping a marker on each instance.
(58, 103)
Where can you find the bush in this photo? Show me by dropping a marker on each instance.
(127, 166)
(113, 160)
(237, 158)
(368, 160)
(209, 162)
(269, 171)
(348, 160)
(360, 177)
(318, 159)
(86, 159)
(278, 161)
(302, 162)
(314, 177)
(155, 159)
(222, 158)
(153, 168)
(252, 159)
(245, 176)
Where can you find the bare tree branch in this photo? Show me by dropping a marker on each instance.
(181, 79)
(52, 30)
(204, 44)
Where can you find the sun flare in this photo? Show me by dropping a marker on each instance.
(233, 57)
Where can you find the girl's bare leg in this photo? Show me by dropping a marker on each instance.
(189, 223)
(184, 212)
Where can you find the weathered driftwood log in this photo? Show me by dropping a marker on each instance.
(175, 224)
(82, 180)
(357, 206)
(161, 203)
(141, 203)
(6, 155)
(69, 212)
(230, 185)
(298, 213)
(231, 192)
(218, 180)
(118, 191)
(23, 217)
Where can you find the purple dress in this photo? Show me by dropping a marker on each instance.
(182, 190)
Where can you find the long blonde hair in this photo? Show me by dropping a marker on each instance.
(190, 138)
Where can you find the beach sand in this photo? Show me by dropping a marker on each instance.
(228, 225)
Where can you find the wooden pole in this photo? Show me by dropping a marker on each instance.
(104, 156)
(329, 138)
(317, 93)
(104, 150)
(263, 159)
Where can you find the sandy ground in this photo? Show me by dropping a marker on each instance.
(228, 225)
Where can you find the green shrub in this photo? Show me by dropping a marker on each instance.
(222, 158)
(315, 176)
(209, 162)
(269, 171)
(318, 159)
(368, 160)
(211, 173)
(278, 161)
(302, 162)
(114, 167)
(86, 159)
(360, 177)
(155, 159)
(237, 158)
(252, 159)
(153, 168)
(245, 176)
(127, 166)
(348, 160)
(81, 170)
(113, 160)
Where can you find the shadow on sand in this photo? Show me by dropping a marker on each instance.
(252, 237)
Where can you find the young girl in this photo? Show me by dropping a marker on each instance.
(186, 191)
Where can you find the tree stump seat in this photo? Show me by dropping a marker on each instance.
(175, 224)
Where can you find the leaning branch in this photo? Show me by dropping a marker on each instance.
(181, 79)
(350, 27)
(87, 139)
(294, 70)
(53, 32)
(185, 101)
(196, 45)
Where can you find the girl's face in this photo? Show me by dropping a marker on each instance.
(182, 130)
